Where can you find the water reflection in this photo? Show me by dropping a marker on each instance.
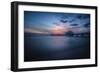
(38, 48)
(55, 43)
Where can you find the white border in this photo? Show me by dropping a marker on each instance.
(36, 64)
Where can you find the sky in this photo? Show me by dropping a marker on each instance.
(56, 22)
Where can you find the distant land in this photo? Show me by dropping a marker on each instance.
(70, 33)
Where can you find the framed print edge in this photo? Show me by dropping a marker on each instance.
(14, 36)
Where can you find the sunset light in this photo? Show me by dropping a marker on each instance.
(56, 36)
(59, 30)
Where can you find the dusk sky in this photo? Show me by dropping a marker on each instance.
(55, 22)
(56, 36)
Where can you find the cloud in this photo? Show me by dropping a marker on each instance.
(63, 21)
(72, 20)
(80, 30)
(64, 16)
(73, 24)
(30, 30)
(83, 16)
(87, 25)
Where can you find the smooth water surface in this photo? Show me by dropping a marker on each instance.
(41, 48)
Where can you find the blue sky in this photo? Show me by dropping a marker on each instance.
(43, 22)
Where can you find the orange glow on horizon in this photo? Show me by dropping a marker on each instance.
(60, 30)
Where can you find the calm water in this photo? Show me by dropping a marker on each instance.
(40, 48)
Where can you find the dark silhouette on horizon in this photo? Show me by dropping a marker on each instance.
(69, 33)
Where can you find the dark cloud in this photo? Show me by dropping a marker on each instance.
(74, 25)
(63, 21)
(87, 25)
(83, 16)
(72, 20)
